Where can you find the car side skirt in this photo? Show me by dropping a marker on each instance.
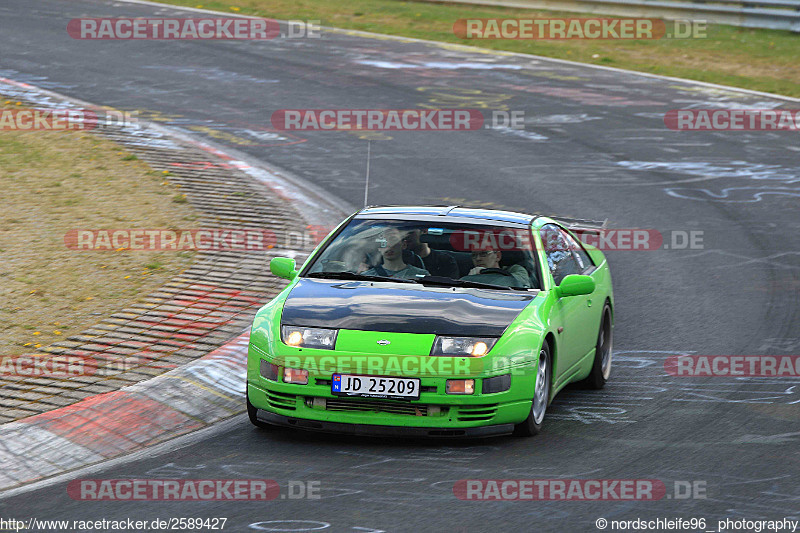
(576, 372)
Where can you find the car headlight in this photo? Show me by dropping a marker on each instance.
(463, 346)
(301, 337)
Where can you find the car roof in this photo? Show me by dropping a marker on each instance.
(451, 211)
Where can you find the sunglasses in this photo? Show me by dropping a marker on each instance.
(485, 253)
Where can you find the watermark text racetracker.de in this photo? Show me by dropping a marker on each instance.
(621, 239)
(192, 490)
(68, 119)
(639, 239)
(733, 119)
(211, 28)
(577, 490)
(439, 120)
(578, 28)
(61, 366)
(190, 239)
(765, 366)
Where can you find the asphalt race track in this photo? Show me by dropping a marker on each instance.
(594, 146)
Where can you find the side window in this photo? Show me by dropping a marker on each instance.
(560, 259)
(584, 261)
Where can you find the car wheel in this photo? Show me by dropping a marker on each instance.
(252, 413)
(601, 368)
(541, 396)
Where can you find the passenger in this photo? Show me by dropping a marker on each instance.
(391, 248)
(363, 264)
(359, 259)
(436, 262)
(488, 270)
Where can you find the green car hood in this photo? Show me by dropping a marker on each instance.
(402, 308)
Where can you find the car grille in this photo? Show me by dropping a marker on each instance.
(398, 408)
(476, 413)
(280, 400)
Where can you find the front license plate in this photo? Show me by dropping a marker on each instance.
(375, 386)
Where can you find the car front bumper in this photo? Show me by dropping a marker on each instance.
(434, 415)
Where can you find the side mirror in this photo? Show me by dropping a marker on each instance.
(284, 267)
(575, 285)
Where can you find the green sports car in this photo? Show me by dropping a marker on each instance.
(432, 321)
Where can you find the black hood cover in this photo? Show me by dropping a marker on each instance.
(402, 308)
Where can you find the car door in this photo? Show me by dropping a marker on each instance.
(569, 310)
(587, 321)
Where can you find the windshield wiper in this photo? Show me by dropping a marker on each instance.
(354, 276)
(450, 282)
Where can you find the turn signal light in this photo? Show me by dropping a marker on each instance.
(460, 386)
(298, 377)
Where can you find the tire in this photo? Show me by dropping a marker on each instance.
(252, 413)
(541, 396)
(601, 367)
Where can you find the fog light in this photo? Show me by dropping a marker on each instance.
(268, 370)
(298, 377)
(496, 384)
(460, 386)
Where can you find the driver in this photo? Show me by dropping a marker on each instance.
(391, 245)
(438, 263)
(488, 270)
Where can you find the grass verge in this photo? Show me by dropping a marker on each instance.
(53, 182)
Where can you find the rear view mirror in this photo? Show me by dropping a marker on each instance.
(576, 285)
(283, 267)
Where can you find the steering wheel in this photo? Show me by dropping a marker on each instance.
(496, 271)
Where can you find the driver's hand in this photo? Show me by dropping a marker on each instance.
(476, 270)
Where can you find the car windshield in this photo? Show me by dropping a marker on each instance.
(457, 254)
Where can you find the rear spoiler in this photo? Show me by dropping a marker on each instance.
(580, 225)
